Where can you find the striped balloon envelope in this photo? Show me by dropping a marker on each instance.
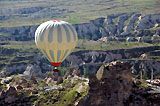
(56, 39)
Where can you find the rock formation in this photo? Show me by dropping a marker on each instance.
(6, 80)
(113, 86)
(94, 59)
(60, 80)
(33, 79)
(33, 70)
(12, 98)
(80, 60)
(72, 72)
(128, 24)
(146, 66)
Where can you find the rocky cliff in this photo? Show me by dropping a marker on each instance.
(146, 66)
(12, 98)
(81, 60)
(113, 86)
(100, 56)
(120, 25)
(92, 60)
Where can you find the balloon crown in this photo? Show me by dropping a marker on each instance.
(56, 20)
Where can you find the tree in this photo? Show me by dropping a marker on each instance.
(85, 72)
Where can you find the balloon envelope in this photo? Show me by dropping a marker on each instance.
(56, 39)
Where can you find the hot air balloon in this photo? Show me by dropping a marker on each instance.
(56, 39)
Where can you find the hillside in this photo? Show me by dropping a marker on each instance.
(113, 85)
(118, 51)
(18, 59)
(114, 26)
(15, 13)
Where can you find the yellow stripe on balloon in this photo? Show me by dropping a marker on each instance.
(56, 40)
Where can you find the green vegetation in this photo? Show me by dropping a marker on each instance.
(23, 92)
(143, 85)
(144, 76)
(65, 81)
(85, 73)
(4, 59)
(67, 99)
(30, 50)
(154, 29)
(154, 55)
(61, 97)
(111, 45)
(29, 46)
(65, 95)
(3, 87)
(33, 98)
(70, 97)
(42, 83)
(157, 76)
(74, 21)
(63, 70)
(146, 3)
(157, 58)
(5, 34)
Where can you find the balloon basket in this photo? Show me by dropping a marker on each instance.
(56, 66)
(55, 69)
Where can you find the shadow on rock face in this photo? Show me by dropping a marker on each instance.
(113, 86)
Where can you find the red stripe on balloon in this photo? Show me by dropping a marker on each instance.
(56, 64)
(56, 20)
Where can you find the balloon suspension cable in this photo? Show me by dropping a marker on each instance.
(55, 69)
